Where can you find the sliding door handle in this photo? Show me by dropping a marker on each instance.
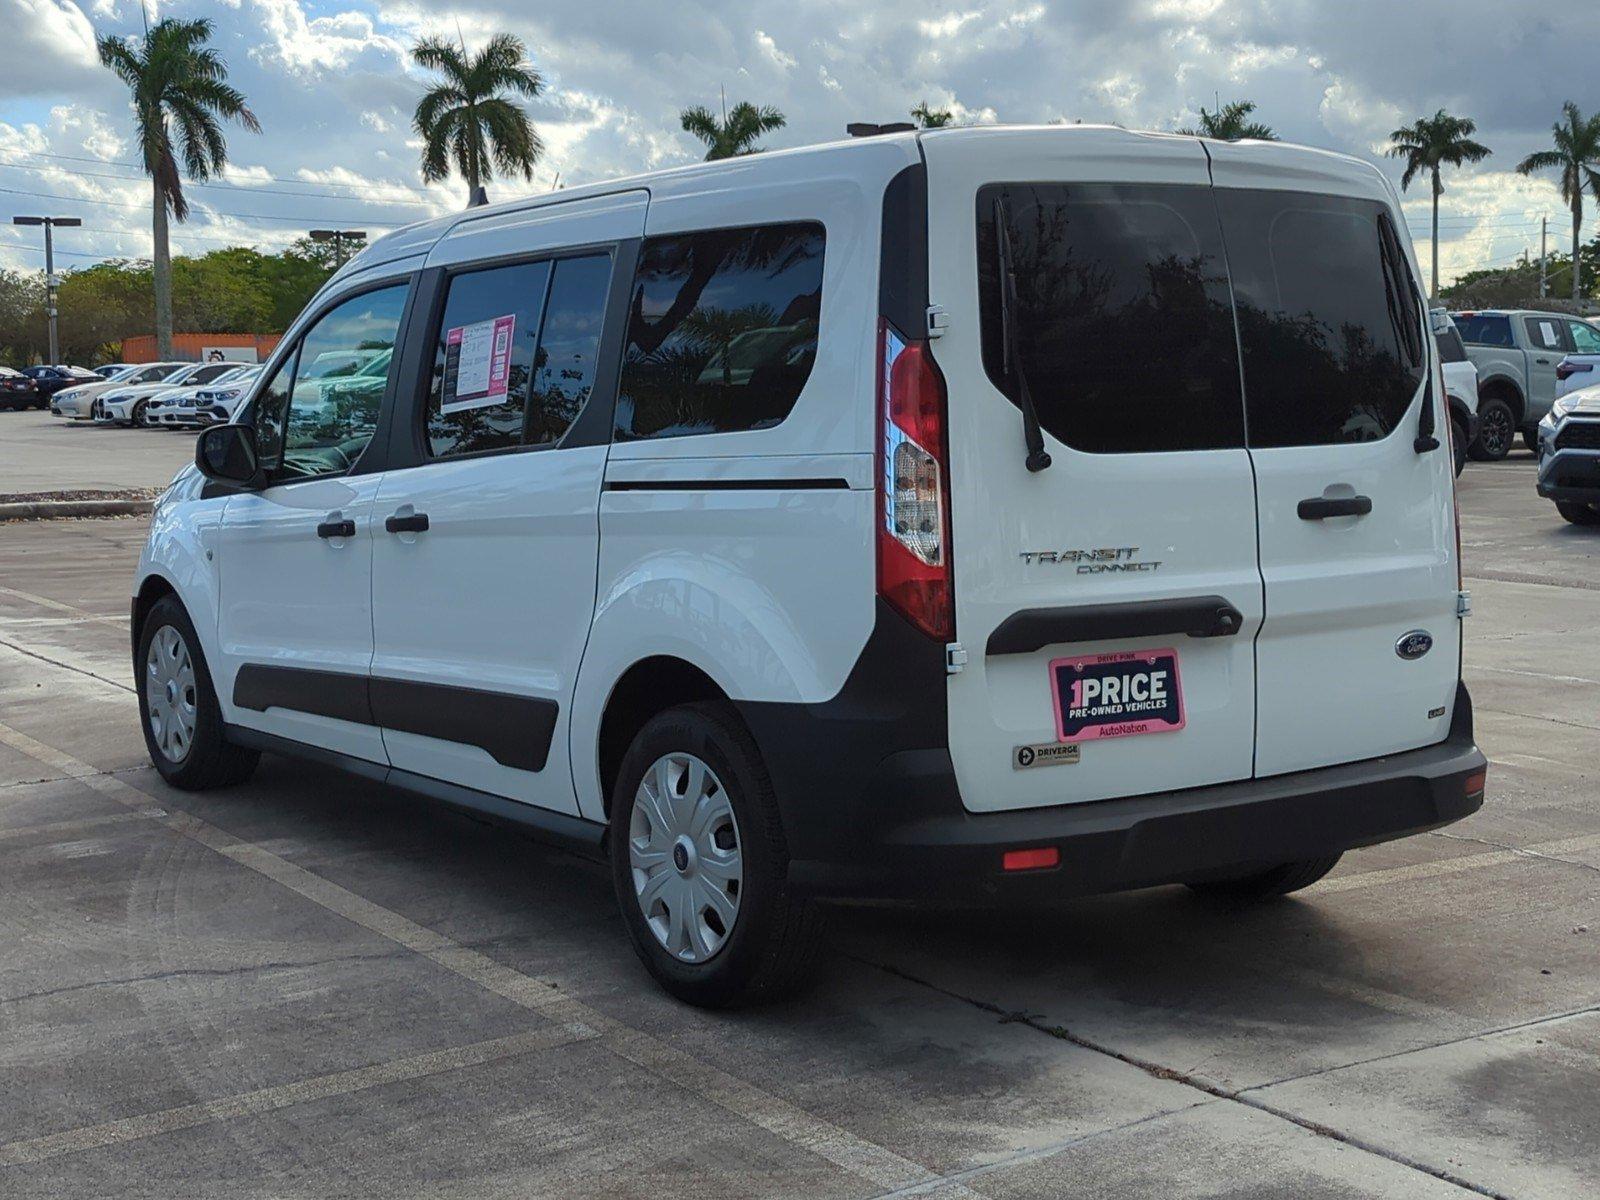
(409, 523)
(336, 529)
(1320, 508)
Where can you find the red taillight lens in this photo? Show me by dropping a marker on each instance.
(1038, 858)
(1567, 370)
(913, 486)
(1475, 783)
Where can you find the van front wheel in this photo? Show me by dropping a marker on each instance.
(1274, 881)
(700, 866)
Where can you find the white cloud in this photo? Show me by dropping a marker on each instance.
(770, 49)
(948, 25)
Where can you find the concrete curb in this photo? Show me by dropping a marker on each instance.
(44, 510)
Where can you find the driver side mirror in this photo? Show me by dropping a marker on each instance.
(227, 454)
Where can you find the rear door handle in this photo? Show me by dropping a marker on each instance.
(336, 529)
(1035, 628)
(1319, 508)
(410, 523)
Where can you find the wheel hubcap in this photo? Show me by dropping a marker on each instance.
(169, 692)
(685, 857)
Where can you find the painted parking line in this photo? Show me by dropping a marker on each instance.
(75, 826)
(63, 607)
(269, 1099)
(860, 1157)
(1546, 851)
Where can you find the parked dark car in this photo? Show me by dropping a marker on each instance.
(17, 390)
(47, 381)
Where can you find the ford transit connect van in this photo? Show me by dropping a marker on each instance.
(981, 516)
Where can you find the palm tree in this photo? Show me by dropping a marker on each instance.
(932, 118)
(1231, 123)
(177, 82)
(466, 118)
(738, 130)
(1577, 154)
(1428, 144)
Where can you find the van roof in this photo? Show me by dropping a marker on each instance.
(801, 161)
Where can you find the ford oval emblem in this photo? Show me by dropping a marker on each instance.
(1414, 644)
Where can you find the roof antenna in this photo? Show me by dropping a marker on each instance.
(723, 88)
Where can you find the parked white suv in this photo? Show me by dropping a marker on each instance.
(894, 519)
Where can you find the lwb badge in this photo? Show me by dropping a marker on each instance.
(1414, 645)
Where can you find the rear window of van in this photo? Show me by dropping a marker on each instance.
(1139, 308)
(1478, 329)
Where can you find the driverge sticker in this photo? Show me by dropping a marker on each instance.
(477, 364)
(1116, 695)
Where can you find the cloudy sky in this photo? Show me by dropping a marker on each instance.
(331, 84)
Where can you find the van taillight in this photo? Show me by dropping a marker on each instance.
(1566, 370)
(913, 486)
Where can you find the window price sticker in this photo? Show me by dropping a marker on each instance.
(477, 364)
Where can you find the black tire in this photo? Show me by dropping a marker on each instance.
(1458, 443)
(136, 414)
(776, 937)
(1579, 514)
(208, 761)
(1265, 885)
(1530, 441)
(1497, 427)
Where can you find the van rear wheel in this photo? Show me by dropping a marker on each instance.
(700, 865)
(1274, 881)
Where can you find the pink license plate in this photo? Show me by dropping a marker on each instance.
(1120, 694)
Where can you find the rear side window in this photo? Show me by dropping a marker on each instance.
(722, 330)
(1546, 333)
(1123, 323)
(1478, 329)
(514, 359)
(1330, 319)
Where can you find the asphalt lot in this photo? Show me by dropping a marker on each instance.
(311, 986)
(41, 453)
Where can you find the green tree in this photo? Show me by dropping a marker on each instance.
(1428, 144)
(466, 119)
(932, 118)
(1232, 123)
(1576, 155)
(736, 133)
(177, 81)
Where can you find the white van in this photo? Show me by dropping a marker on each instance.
(979, 516)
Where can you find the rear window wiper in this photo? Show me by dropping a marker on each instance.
(1038, 458)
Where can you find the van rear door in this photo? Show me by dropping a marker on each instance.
(1360, 650)
(1107, 605)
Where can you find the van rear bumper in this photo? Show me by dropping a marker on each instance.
(911, 839)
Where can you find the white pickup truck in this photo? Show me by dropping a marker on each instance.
(1517, 352)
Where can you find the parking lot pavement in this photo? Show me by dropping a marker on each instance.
(310, 985)
(41, 453)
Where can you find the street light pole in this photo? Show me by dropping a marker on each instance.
(49, 224)
(338, 237)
